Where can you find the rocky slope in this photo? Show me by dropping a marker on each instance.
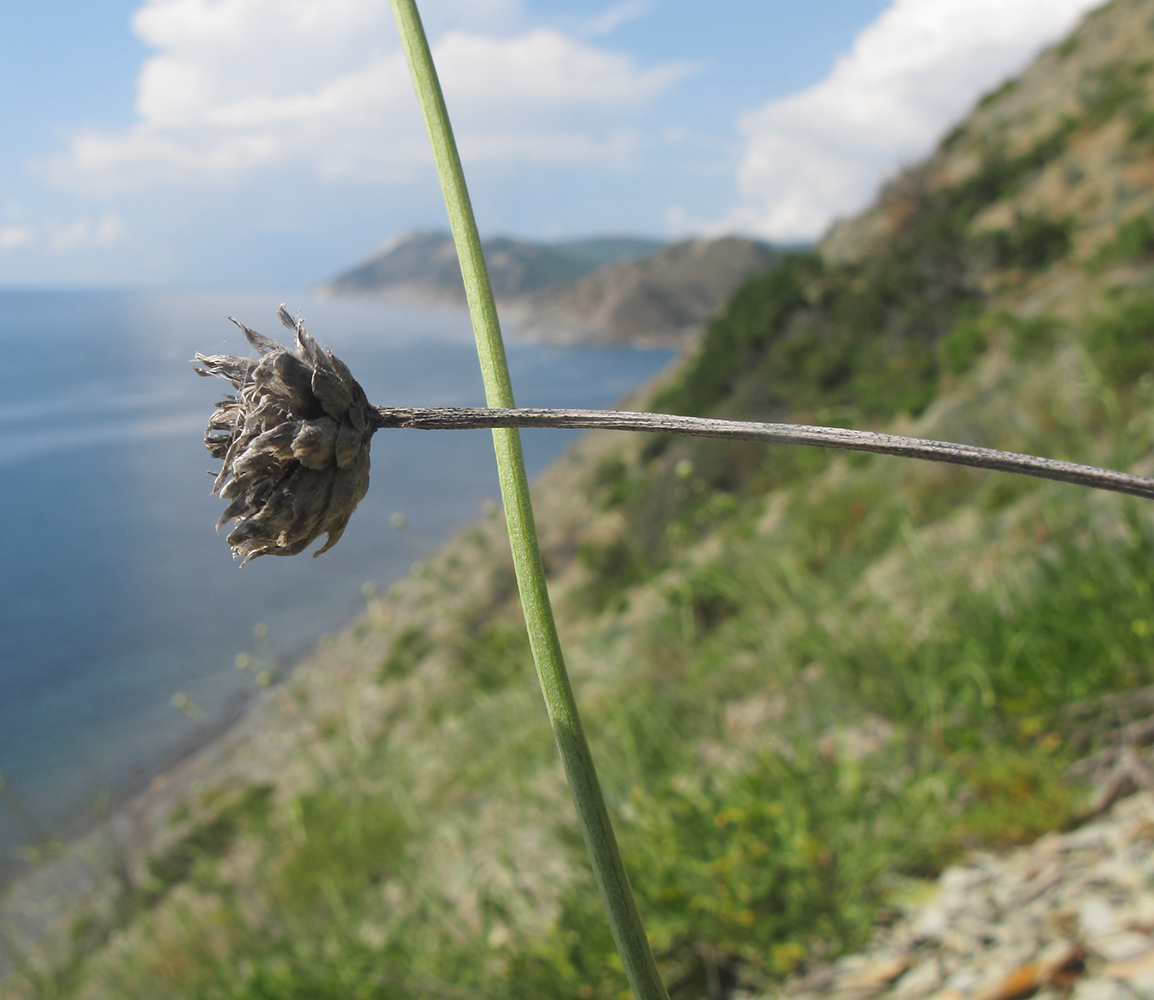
(822, 691)
(1070, 915)
(665, 298)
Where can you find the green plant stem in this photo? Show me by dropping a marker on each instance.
(612, 882)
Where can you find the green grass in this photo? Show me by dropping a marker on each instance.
(1116, 88)
(1030, 338)
(207, 841)
(1034, 243)
(1006, 88)
(962, 346)
(1133, 243)
(409, 648)
(790, 850)
(496, 655)
(1122, 342)
(1142, 126)
(345, 841)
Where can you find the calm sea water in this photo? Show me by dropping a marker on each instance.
(115, 593)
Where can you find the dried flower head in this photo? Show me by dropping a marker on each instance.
(294, 441)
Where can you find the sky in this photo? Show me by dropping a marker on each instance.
(273, 143)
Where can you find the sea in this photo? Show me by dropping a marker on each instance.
(123, 616)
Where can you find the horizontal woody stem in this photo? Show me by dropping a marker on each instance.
(465, 418)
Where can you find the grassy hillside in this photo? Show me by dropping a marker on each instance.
(810, 680)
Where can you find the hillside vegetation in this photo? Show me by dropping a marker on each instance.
(810, 680)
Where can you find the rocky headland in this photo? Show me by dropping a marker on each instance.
(603, 290)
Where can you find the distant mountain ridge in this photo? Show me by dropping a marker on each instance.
(423, 266)
(608, 289)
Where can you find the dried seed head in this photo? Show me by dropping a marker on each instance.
(294, 441)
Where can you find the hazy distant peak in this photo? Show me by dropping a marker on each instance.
(612, 288)
(423, 265)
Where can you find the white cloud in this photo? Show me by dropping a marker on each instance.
(82, 231)
(613, 17)
(243, 85)
(822, 152)
(14, 237)
(543, 147)
(543, 69)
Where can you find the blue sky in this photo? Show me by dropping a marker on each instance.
(270, 143)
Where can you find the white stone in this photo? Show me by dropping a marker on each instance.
(1123, 946)
(1142, 984)
(931, 924)
(1099, 989)
(918, 981)
(1097, 917)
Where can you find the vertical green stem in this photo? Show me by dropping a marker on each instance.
(612, 882)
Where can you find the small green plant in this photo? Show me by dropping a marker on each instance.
(1122, 343)
(409, 648)
(1008, 87)
(495, 655)
(1142, 126)
(207, 840)
(1114, 88)
(614, 565)
(1034, 243)
(962, 346)
(612, 483)
(345, 844)
(1032, 336)
(1134, 242)
(1016, 797)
